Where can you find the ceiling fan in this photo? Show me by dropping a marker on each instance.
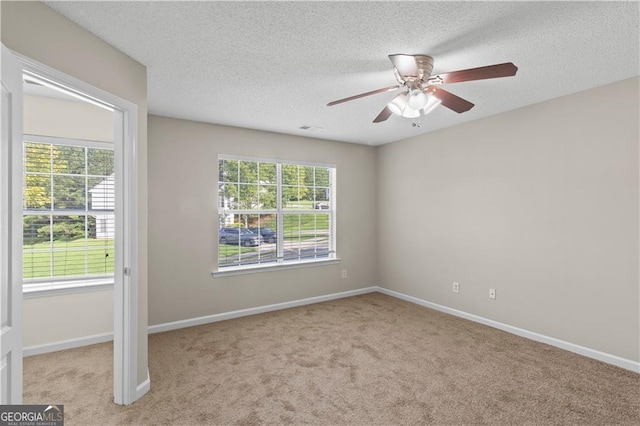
(422, 92)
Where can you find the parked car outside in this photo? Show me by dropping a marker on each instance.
(268, 235)
(321, 206)
(239, 235)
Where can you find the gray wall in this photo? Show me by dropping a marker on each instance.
(183, 217)
(34, 30)
(540, 203)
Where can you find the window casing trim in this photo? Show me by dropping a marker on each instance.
(57, 140)
(34, 290)
(268, 267)
(274, 160)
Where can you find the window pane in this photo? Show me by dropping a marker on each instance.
(36, 255)
(290, 197)
(306, 197)
(306, 175)
(36, 230)
(68, 192)
(229, 196)
(37, 157)
(100, 260)
(101, 193)
(322, 176)
(289, 174)
(292, 243)
(263, 226)
(321, 194)
(268, 196)
(100, 162)
(69, 245)
(68, 159)
(248, 171)
(228, 171)
(37, 192)
(248, 198)
(68, 261)
(297, 198)
(222, 201)
(102, 228)
(236, 243)
(36, 263)
(322, 235)
(66, 229)
(268, 173)
(306, 236)
(322, 198)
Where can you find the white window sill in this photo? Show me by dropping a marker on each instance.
(56, 288)
(252, 269)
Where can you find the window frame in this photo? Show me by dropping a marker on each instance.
(281, 262)
(34, 287)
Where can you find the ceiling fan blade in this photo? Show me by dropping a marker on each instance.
(362, 95)
(406, 65)
(384, 114)
(451, 101)
(507, 69)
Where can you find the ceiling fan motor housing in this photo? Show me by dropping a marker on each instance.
(425, 66)
(412, 69)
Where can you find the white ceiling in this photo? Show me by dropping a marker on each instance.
(274, 65)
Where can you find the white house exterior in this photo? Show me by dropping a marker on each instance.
(103, 199)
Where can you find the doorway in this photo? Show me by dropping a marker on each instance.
(78, 232)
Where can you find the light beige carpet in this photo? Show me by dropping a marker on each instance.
(364, 360)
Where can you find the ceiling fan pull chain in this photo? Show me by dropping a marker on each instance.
(418, 121)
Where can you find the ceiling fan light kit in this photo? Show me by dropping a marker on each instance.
(422, 92)
(417, 99)
(401, 105)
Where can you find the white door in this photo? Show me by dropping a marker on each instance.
(10, 231)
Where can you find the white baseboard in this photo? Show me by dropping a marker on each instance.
(159, 328)
(143, 387)
(67, 344)
(572, 347)
(107, 337)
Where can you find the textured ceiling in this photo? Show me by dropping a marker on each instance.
(274, 65)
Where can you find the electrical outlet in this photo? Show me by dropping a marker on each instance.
(456, 287)
(344, 273)
(492, 293)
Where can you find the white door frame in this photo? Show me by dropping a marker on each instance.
(11, 231)
(125, 290)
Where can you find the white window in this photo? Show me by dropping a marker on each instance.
(273, 212)
(68, 210)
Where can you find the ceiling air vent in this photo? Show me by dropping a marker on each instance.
(310, 128)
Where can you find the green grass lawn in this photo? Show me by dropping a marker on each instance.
(307, 222)
(295, 228)
(69, 258)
